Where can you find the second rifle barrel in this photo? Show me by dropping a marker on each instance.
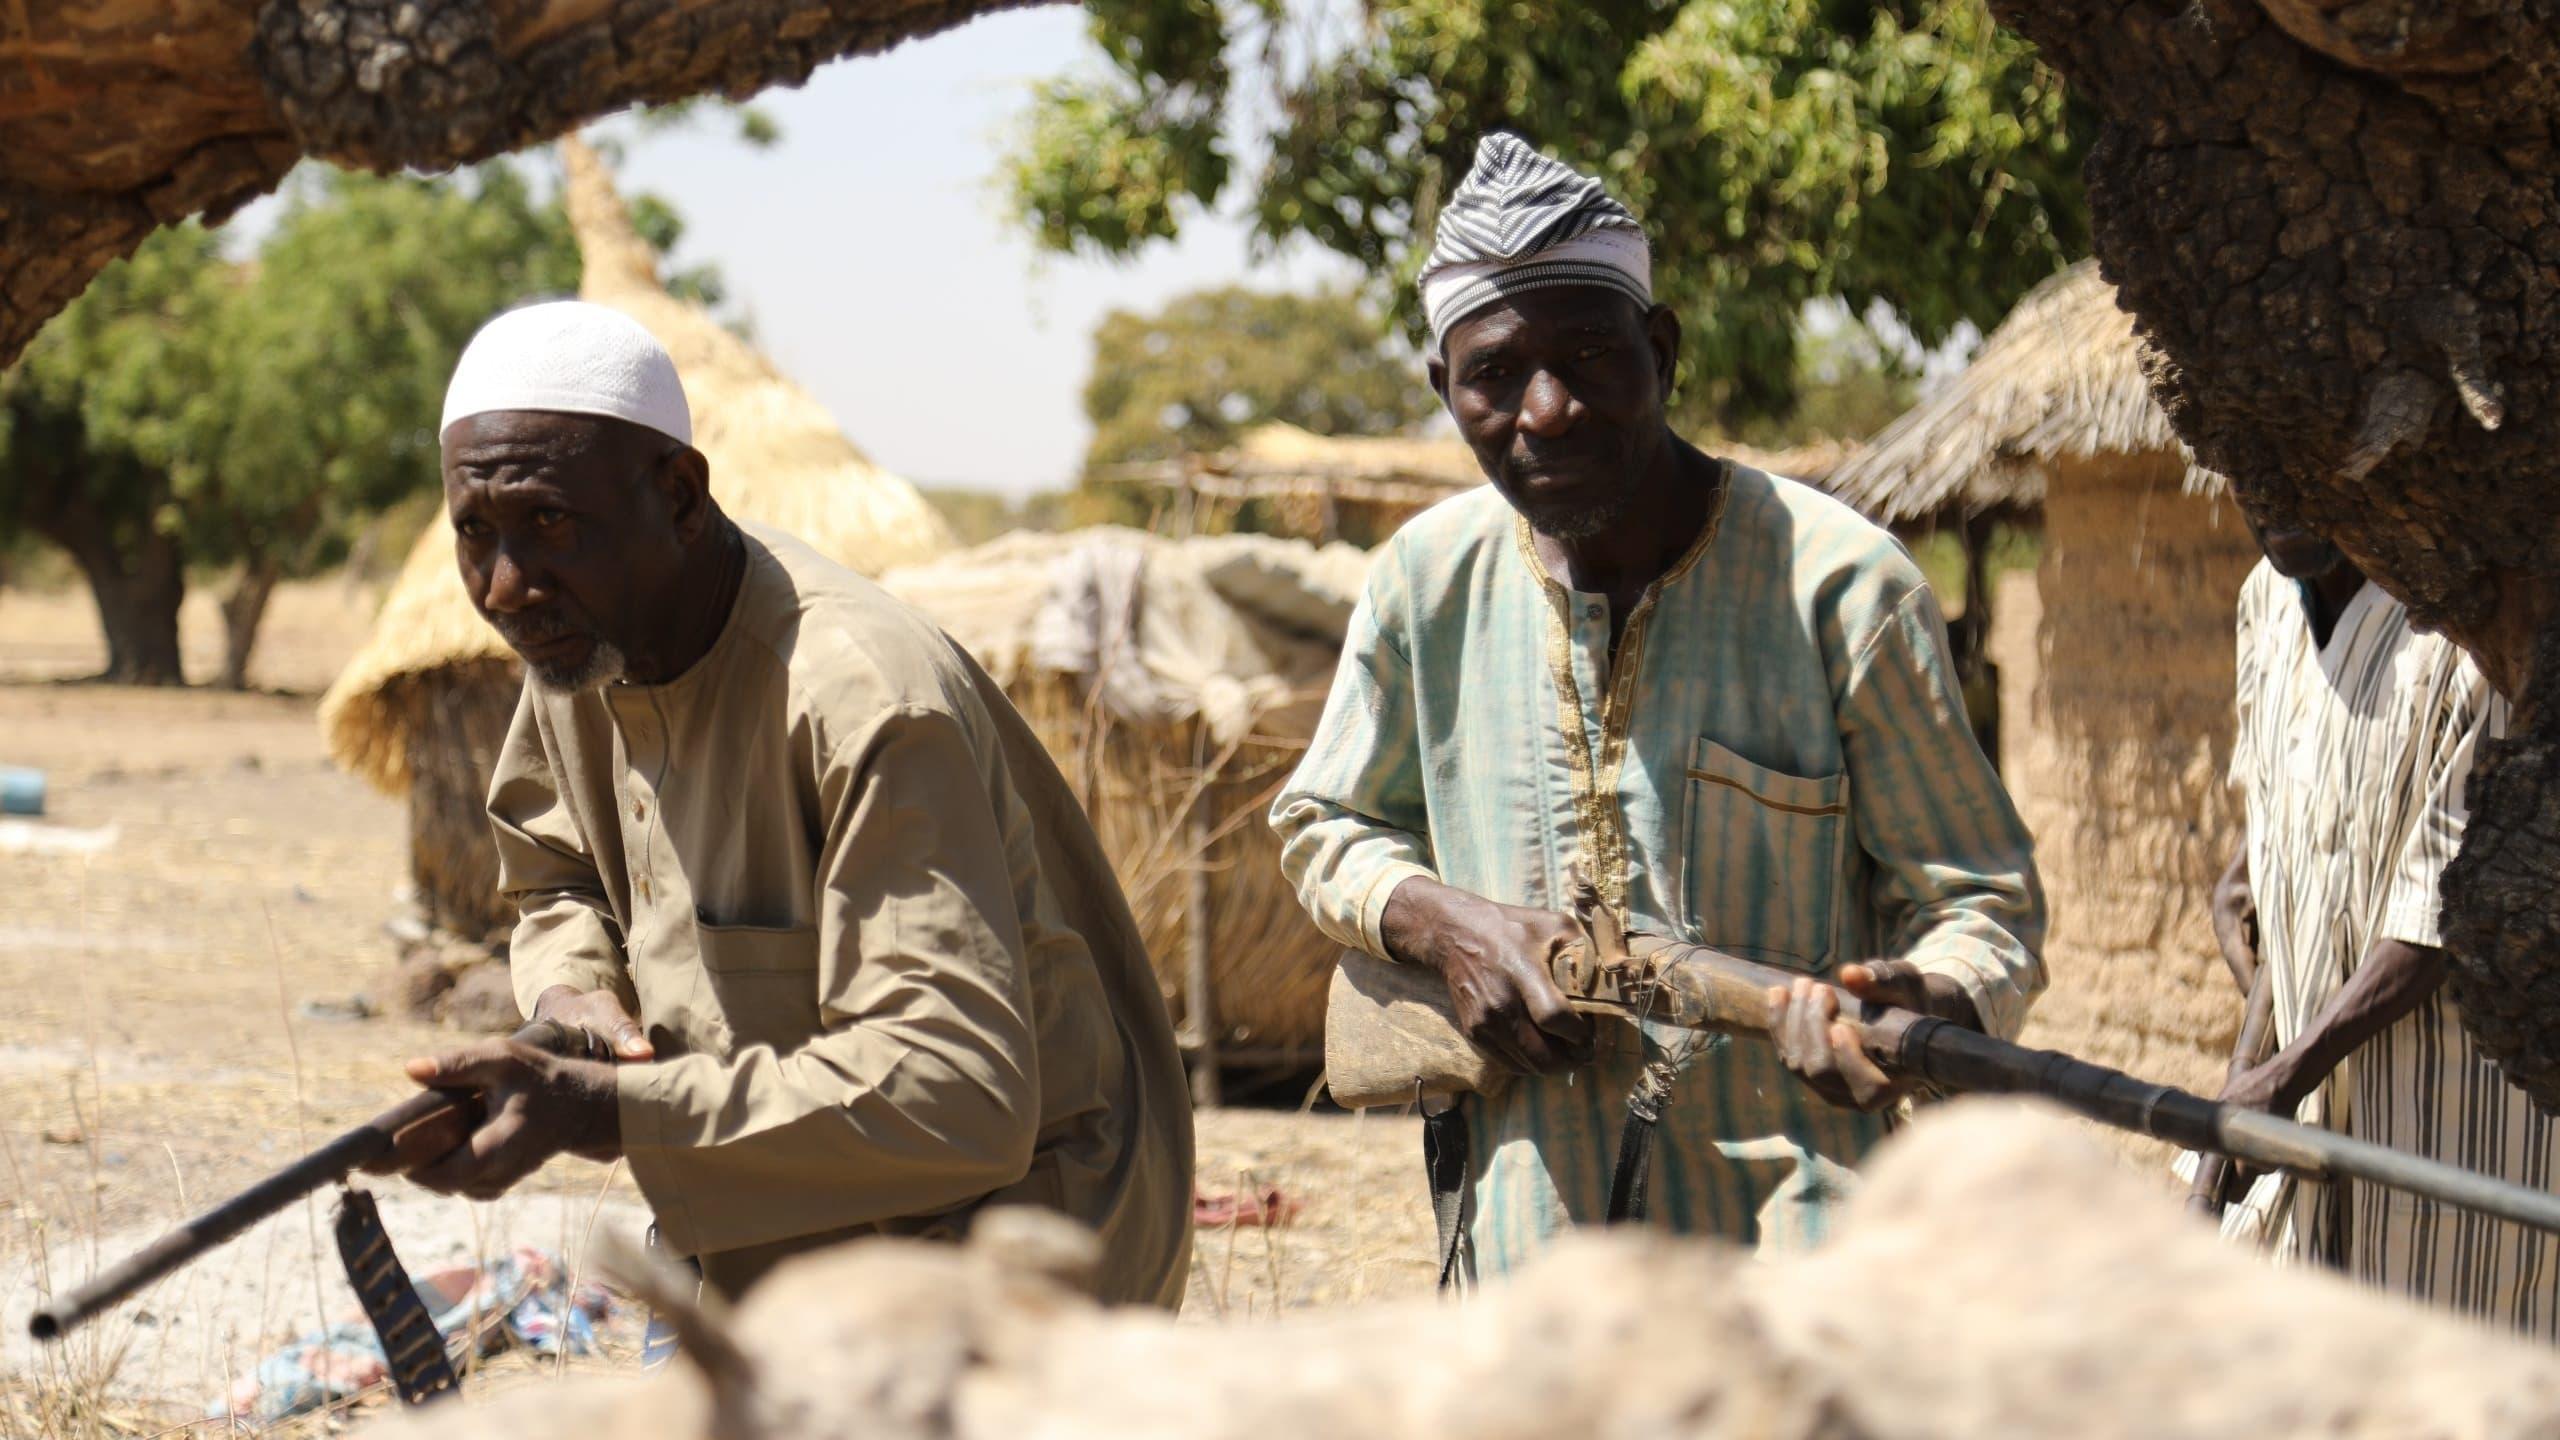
(1955, 1058)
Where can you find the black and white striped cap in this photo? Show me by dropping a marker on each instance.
(1522, 221)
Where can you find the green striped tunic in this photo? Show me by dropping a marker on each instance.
(1776, 763)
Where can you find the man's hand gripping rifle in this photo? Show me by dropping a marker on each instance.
(1390, 1040)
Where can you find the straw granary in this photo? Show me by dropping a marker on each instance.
(2117, 745)
(420, 710)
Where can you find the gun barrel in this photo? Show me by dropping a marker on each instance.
(351, 1151)
(361, 1146)
(1955, 1058)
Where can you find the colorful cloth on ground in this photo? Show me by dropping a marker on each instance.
(2351, 758)
(1777, 764)
(526, 1294)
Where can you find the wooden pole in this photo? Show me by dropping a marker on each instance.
(1199, 992)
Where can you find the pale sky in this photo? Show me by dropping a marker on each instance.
(871, 249)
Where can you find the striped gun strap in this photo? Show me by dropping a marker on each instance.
(420, 1369)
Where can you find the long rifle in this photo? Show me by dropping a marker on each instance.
(1390, 1039)
(373, 1141)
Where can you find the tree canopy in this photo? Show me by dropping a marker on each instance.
(1779, 151)
(258, 413)
(1212, 363)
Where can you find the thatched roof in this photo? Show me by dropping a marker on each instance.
(776, 457)
(1282, 461)
(2062, 378)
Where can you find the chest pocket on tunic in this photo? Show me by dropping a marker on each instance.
(765, 979)
(1762, 860)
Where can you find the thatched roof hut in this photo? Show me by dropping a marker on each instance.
(1361, 487)
(420, 710)
(2117, 743)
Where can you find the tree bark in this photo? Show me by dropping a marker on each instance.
(244, 606)
(117, 118)
(2339, 228)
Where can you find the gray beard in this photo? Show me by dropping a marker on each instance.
(603, 665)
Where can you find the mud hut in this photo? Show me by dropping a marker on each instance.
(2116, 715)
(420, 711)
(1360, 488)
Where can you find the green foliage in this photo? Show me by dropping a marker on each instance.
(337, 351)
(1779, 151)
(1213, 363)
(752, 125)
(1846, 384)
(113, 395)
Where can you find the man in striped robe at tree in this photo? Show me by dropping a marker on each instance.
(2355, 737)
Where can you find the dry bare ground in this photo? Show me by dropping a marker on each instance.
(156, 1052)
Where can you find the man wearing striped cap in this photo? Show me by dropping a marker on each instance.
(1721, 699)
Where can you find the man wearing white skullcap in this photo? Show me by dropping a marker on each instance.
(1719, 698)
(789, 852)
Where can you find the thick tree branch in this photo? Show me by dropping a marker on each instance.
(116, 118)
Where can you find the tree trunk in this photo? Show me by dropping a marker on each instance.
(117, 118)
(2339, 228)
(243, 607)
(138, 588)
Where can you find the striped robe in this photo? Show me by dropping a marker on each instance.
(2351, 758)
(1776, 762)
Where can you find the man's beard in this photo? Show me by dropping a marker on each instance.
(1580, 521)
(602, 664)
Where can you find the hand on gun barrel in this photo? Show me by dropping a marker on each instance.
(1830, 1054)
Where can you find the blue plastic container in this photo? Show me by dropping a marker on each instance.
(21, 791)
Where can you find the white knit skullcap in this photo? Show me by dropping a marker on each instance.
(573, 357)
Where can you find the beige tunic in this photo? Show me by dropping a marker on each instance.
(888, 972)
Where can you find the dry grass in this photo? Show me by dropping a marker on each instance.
(1268, 963)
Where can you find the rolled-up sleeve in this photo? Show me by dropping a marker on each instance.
(565, 931)
(1955, 883)
(1352, 820)
(919, 1093)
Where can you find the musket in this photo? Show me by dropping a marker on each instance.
(367, 1144)
(1390, 1038)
